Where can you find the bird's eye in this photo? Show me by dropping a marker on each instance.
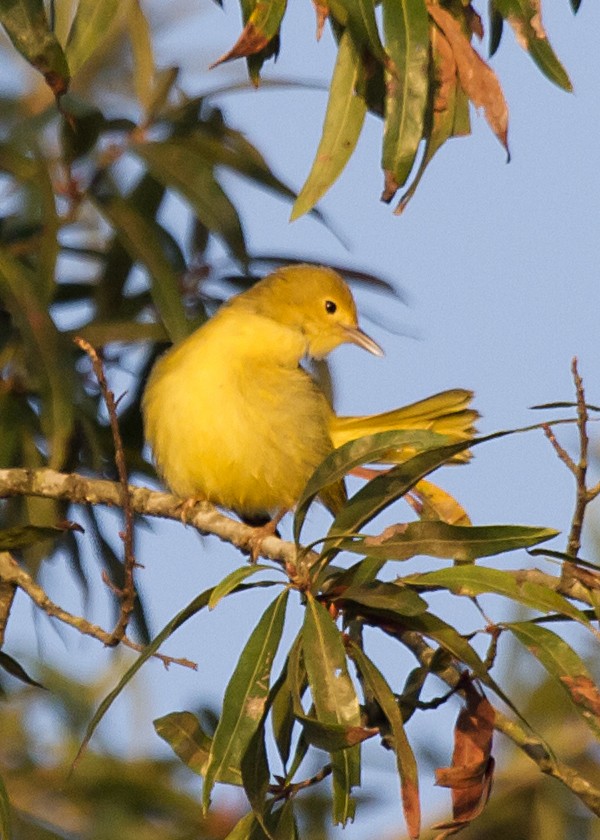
(330, 306)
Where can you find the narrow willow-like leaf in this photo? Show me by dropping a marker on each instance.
(524, 16)
(472, 580)
(380, 596)
(45, 350)
(442, 108)
(256, 774)
(197, 604)
(564, 665)
(463, 543)
(15, 669)
(27, 27)
(21, 536)
(91, 25)
(172, 162)
(358, 18)
(232, 580)
(360, 451)
(245, 696)
(143, 56)
(334, 698)
(405, 758)
(183, 733)
(147, 243)
(406, 31)
(261, 27)
(332, 737)
(344, 118)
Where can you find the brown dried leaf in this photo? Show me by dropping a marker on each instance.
(474, 21)
(387, 534)
(470, 776)
(322, 12)
(250, 42)
(445, 71)
(477, 78)
(584, 692)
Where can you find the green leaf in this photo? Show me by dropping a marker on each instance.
(346, 110)
(80, 127)
(282, 708)
(197, 604)
(148, 243)
(565, 666)
(47, 356)
(5, 819)
(184, 734)
(172, 163)
(406, 30)
(255, 772)
(334, 698)
(259, 39)
(11, 666)
(246, 696)
(363, 450)
(21, 536)
(332, 737)
(524, 16)
(232, 581)
(393, 598)
(471, 580)
(405, 758)
(463, 543)
(27, 27)
(358, 18)
(143, 57)
(90, 27)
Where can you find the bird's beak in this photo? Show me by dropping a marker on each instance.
(356, 336)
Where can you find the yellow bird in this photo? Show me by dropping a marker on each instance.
(233, 417)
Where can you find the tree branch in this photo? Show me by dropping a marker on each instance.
(11, 574)
(79, 489)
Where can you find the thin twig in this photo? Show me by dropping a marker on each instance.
(528, 741)
(12, 574)
(292, 789)
(581, 502)
(127, 594)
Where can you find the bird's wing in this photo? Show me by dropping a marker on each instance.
(447, 413)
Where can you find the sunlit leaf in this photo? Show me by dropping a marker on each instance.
(245, 696)
(346, 110)
(382, 597)
(232, 580)
(363, 450)
(564, 665)
(143, 55)
(90, 27)
(358, 18)
(334, 698)
(525, 18)
(27, 27)
(476, 77)
(405, 758)
(406, 29)
(463, 543)
(260, 29)
(184, 734)
(470, 580)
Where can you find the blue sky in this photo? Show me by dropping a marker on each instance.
(500, 265)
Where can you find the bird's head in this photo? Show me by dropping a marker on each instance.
(315, 301)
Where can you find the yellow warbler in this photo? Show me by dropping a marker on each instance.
(233, 418)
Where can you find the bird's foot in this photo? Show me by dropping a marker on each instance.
(187, 506)
(261, 532)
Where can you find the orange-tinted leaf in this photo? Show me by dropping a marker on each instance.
(322, 12)
(261, 27)
(470, 776)
(584, 692)
(477, 79)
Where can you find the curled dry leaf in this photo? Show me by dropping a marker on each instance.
(251, 41)
(470, 776)
(477, 78)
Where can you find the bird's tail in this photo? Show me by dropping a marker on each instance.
(447, 413)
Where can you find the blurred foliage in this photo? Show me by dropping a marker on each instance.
(91, 181)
